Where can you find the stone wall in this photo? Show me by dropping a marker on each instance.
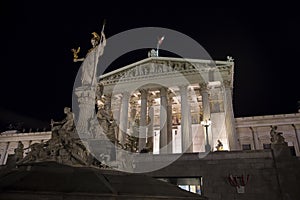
(255, 130)
(9, 141)
(270, 177)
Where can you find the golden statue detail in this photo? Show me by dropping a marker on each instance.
(96, 36)
(75, 55)
(90, 61)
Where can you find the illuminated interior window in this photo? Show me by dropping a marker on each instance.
(191, 184)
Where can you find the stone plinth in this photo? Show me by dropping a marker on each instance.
(86, 104)
(281, 151)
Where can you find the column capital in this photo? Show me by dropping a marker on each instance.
(227, 84)
(185, 86)
(203, 87)
(125, 94)
(144, 93)
(163, 91)
(183, 89)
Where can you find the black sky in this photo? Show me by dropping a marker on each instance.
(38, 72)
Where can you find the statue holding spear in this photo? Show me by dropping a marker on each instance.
(89, 65)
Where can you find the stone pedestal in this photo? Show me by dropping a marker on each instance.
(281, 151)
(104, 150)
(86, 104)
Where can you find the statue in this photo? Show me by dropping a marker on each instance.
(99, 92)
(34, 153)
(219, 146)
(62, 147)
(89, 65)
(67, 123)
(90, 62)
(230, 59)
(276, 137)
(19, 151)
(104, 117)
(152, 53)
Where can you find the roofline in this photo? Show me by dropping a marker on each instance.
(165, 59)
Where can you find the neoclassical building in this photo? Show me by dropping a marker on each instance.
(165, 103)
(168, 98)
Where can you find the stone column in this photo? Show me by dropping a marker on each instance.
(186, 129)
(143, 120)
(297, 135)
(86, 103)
(229, 117)
(116, 111)
(255, 138)
(150, 123)
(163, 121)
(4, 156)
(123, 117)
(205, 101)
(206, 115)
(169, 124)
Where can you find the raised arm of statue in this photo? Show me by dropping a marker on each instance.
(100, 48)
(75, 55)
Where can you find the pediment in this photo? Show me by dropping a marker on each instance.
(164, 67)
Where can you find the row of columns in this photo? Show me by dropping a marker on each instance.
(165, 144)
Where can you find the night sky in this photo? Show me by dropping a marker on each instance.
(37, 72)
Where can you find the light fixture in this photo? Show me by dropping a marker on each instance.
(206, 123)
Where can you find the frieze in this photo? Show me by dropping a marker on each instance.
(158, 68)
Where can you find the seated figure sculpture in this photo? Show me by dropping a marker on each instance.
(67, 123)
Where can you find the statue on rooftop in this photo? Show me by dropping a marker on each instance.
(230, 59)
(276, 137)
(19, 151)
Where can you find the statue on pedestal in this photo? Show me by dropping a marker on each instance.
(89, 65)
(19, 151)
(219, 146)
(86, 92)
(276, 137)
(106, 121)
(62, 147)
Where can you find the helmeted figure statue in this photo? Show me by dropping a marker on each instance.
(86, 92)
(91, 60)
